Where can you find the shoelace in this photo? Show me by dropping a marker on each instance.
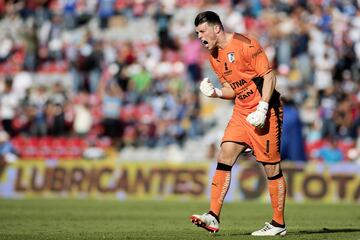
(267, 227)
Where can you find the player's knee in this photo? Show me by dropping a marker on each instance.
(272, 170)
(225, 160)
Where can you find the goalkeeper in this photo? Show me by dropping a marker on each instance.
(246, 76)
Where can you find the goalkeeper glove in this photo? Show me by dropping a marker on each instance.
(257, 118)
(208, 89)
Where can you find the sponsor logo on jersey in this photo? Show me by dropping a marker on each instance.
(237, 84)
(231, 57)
(245, 95)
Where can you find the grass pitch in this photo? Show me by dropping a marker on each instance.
(107, 219)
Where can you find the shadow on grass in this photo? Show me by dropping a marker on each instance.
(237, 234)
(320, 231)
(328, 230)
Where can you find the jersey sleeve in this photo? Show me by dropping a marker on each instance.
(257, 58)
(217, 71)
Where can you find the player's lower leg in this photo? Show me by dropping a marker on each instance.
(219, 188)
(277, 190)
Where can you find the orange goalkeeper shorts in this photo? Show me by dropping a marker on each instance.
(265, 142)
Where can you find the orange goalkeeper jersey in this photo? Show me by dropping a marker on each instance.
(242, 63)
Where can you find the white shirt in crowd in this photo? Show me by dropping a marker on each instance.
(8, 104)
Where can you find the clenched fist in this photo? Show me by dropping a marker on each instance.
(208, 89)
(257, 118)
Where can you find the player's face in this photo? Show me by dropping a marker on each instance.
(207, 35)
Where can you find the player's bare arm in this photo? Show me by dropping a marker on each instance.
(269, 86)
(227, 91)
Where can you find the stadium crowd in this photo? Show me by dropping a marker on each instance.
(128, 71)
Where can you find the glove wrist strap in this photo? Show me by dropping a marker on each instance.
(218, 92)
(263, 106)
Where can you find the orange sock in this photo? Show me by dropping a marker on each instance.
(219, 187)
(277, 190)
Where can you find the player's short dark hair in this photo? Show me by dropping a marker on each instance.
(209, 17)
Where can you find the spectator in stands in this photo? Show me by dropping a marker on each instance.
(83, 120)
(105, 11)
(87, 65)
(69, 10)
(6, 47)
(343, 118)
(292, 141)
(324, 64)
(140, 80)
(326, 111)
(121, 76)
(36, 106)
(51, 39)
(162, 19)
(191, 52)
(9, 103)
(5, 145)
(22, 82)
(32, 123)
(330, 153)
(31, 45)
(7, 151)
(54, 119)
(112, 103)
(313, 133)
